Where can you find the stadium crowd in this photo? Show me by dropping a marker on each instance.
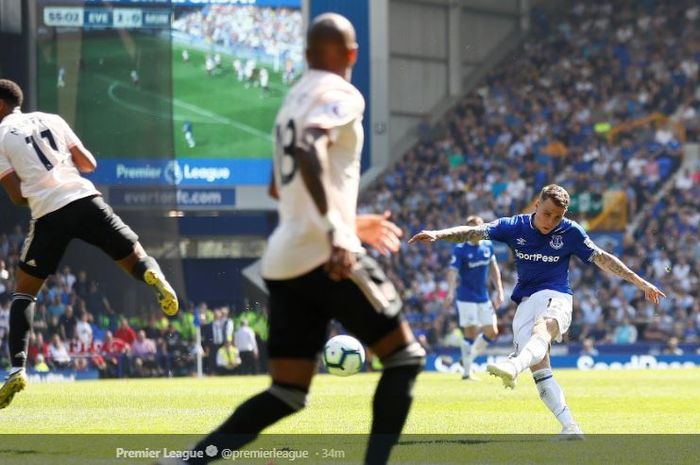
(544, 116)
(273, 31)
(75, 326)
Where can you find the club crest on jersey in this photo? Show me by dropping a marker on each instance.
(521, 241)
(556, 243)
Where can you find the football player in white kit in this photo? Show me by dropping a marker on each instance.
(315, 267)
(61, 80)
(41, 159)
(264, 78)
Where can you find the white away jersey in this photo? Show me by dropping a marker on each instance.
(36, 147)
(299, 244)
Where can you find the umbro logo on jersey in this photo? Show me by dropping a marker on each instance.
(556, 243)
(520, 241)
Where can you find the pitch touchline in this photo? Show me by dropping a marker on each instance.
(193, 108)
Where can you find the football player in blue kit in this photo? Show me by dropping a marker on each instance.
(542, 243)
(473, 264)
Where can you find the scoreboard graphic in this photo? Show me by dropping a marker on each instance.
(126, 18)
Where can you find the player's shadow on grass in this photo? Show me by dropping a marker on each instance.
(476, 440)
(17, 452)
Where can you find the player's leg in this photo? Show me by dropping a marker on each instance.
(554, 318)
(486, 316)
(21, 316)
(103, 228)
(470, 334)
(370, 308)
(553, 397)
(297, 334)
(41, 253)
(523, 322)
(145, 268)
(467, 319)
(190, 139)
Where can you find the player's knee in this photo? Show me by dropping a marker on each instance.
(547, 328)
(552, 326)
(295, 397)
(412, 354)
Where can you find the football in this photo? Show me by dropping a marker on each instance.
(343, 355)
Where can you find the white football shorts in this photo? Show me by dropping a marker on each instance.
(476, 314)
(545, 303)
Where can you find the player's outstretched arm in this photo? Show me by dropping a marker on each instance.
(379, 232)
(456, 234)
(614, 265)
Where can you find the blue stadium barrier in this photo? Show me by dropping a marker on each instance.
(451, 364)
(57, 376)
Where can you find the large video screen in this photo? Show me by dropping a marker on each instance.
(180, 92)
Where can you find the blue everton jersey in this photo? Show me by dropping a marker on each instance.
(542, 260)
(472, 264)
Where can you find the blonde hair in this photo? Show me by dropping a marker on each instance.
(557, 194)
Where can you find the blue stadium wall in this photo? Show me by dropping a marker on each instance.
(357, 11)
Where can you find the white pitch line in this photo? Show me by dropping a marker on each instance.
(215, 117)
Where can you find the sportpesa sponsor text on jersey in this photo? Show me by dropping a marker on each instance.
(542, 260)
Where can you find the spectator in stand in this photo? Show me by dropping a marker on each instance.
(248, 348)
(114, 351)
(125, 332)
(99, 306)
(41, 319)
(56, 308)
(672, 347)
(227, 359)
(625, 332)
(588, 348)
(82, 285)
(67, 278)
(654, 333)
(37, 347)
(83, 332)
(59, 356)
(40, 365)
(143, 353)
(67, 323)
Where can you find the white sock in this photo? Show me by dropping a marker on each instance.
(552, 395)
(533, 353)
(467, 355)
(480, 345)
(14, 370)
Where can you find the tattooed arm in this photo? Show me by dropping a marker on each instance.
(456, 234)
(614, 265)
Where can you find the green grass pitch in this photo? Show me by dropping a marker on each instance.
(604, 403)
(115, 118)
